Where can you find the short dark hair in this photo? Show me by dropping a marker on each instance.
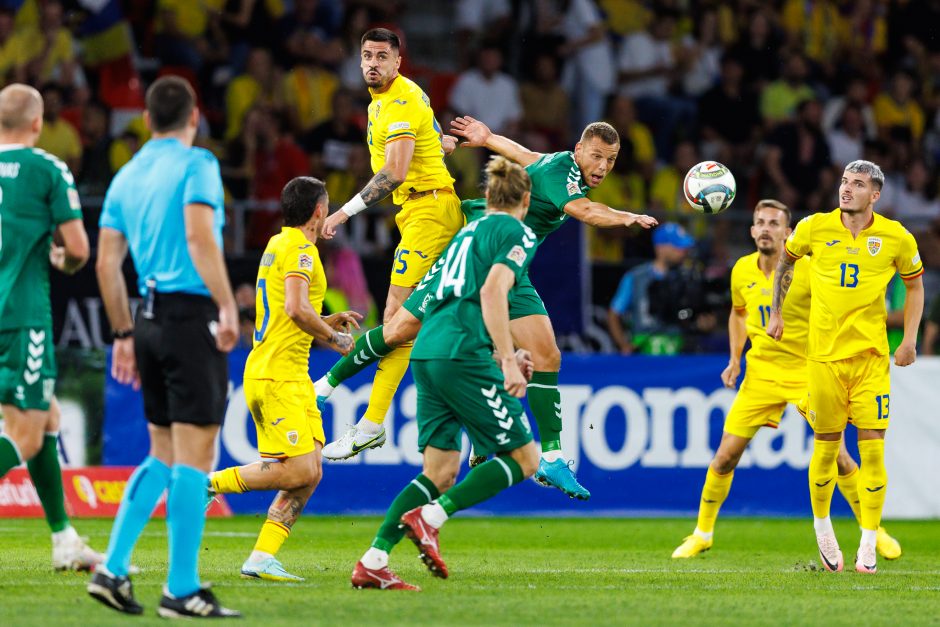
(299, 199)
(603, 131)
(170, 101)
(381, 35)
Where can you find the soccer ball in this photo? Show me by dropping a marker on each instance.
(709, 187)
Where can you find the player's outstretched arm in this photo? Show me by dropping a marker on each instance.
(74, 252)
(737, 336)
(599, 214)
(494, 301)
(398, 156)
(112, 250)
(476, 134)
(783, 277)
(906, 352)
(298, 308)
(210, 264)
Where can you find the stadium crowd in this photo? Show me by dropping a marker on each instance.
(785, 93)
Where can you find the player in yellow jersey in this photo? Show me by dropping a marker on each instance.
(291, 285)
(776, 373)
(407, 148)
(856, 252)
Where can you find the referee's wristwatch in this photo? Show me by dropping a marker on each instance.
(122, 334)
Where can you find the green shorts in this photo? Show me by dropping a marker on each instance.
(455, 395)
(27, 368)
(524, 300)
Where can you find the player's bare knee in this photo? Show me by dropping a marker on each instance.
(528, 459)
(725, 462)
(547, 358)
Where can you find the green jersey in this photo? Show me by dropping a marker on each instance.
(556, 181)
(453, 323)
(37, 193)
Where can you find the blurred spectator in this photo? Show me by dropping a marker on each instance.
(729, 117)
(702, 55)
(814, 26)
(245, 296)
(330, 143)
(648, 67)
(8, 47)
(931, 339)
(896, 111)
(476, 18)
(916, 204)
(625, 16)
(308, 92)
(798, 161)
(311, 28)
(588, 74)
(544, 103)
(258, 85)
(355, 24)
(856, 93)
(58, 136)
(781, 97)
(249, 24)
(635, 136)
(347, 288)
(371, 235)
(847, 139)
(758, 52)
(180, 32)
(866, 27)
(47, 53)
(667, 199)
(657, 297)
(96, 171)
(488, 94)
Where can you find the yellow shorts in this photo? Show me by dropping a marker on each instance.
(286, 417)
(859, 387)
(761, 403)
(427, 225)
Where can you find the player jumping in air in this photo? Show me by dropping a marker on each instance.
(560, 182)
(291, 285)
(776, 374)
(407, 149)
(460, 386)
(856, 252)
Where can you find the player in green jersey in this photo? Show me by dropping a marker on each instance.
(560, 182)
(37, 199)
(460, 387)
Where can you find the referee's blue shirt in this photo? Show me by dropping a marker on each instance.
(145, 202)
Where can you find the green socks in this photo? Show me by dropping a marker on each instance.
(545, 402)
(482, 483)
(370, 347)
(9, 455)
(420, 491)
(47, 477)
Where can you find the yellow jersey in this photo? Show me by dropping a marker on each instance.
(281, 350)
(404, 111)
(752, 291)
(848, 279)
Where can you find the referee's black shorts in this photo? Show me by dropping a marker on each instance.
(183, 376)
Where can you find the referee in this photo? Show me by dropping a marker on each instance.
(166, 207)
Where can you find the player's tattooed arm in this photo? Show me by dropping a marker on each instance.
(381, 185)
(783, 277)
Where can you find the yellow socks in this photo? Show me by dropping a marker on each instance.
(714, 494)
(390, 370)
(822, 475)
(272, 536)
(873, 482)
(227, 481)
(848, 486)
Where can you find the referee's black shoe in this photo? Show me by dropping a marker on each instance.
(115, 592)
(200, 604)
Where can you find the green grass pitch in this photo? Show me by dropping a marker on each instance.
(508, 571)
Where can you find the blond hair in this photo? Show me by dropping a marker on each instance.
(770, 203)
(506, 183)
(19, 106)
